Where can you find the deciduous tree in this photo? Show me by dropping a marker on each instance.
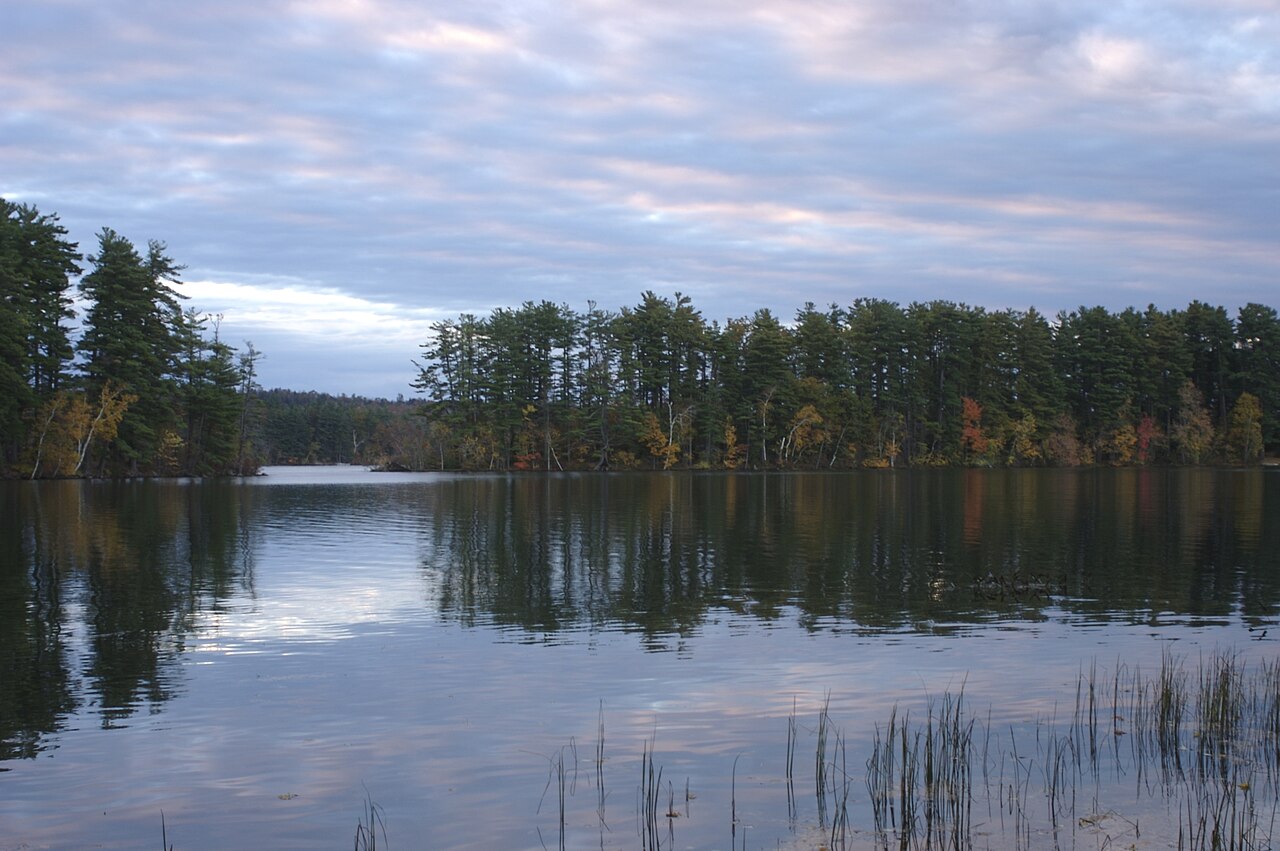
(1193, 430)
(1244, 435)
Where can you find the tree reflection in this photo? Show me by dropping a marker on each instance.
(99, 583)
(102, 584)
(884, 550)
(35, 685)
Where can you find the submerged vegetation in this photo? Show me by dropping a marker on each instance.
(1189, 761)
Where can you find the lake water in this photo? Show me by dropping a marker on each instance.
(257, 662)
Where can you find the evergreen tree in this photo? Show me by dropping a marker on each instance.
(1257, 370)
(15, 393)
(247, 366)
(208, 384)
(37, 262)
(880, 344)
(1097, 351)
(1164, 364)
(129, 340)
(769, 378)
(655, 385)
(1209, 338)
(597, 374)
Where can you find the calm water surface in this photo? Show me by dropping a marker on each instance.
(257, 660)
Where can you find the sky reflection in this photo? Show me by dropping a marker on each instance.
(438, 643)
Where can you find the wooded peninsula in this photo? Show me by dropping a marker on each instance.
(149, 388)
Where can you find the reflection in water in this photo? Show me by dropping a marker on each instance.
(102, 583)
(882, 550)
(99, 585)
(437, 637)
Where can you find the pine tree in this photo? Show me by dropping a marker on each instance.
(1257, 352)
(207, 390)
(129, 340)
(36, 265)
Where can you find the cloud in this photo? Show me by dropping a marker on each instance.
(319, 314)
(317, 334)
(398, 161)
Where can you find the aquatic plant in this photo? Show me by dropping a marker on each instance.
(371, 823)
(164, 835)
(1200, 748)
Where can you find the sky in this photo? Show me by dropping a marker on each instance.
(336, 175)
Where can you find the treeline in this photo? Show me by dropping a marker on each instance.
(871, 385)
(147, 389)
(292, 427)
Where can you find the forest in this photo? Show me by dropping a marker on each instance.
(149, 388)
(874, 384)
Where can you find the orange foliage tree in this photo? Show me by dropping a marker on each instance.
(972, 439)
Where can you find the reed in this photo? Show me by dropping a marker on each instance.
(565, 782)
(650, 794)
(369, 826)
(880, 774)
(1170, 705)
(600, 792)
(164, 835)
(791, 742)
(840, 779)
(560, 778)
(792, 736)
(1206, 741)
(820, 760)
(733, 799)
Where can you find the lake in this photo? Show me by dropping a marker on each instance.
(641, 660)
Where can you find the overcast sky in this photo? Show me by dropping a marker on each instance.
(337, 174)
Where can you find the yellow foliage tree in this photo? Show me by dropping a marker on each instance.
(1023, 448)
(1244, 437)
(1193, 431)
(659, 442)
(70, 424)
(1119, 444)
(806, 429)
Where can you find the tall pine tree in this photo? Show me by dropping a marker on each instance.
(37, 262)
(129, 340)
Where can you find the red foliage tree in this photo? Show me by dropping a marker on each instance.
(971, 437)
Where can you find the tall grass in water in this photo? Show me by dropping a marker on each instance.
(920, 778)
(1195, 750)
(792, 737)
(820, 761)
(881, 771)
(600, 793)
(558, 777)
(164, 835)
(649, 797)
(371, 823)
(1220, 706)
(1169, 708)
